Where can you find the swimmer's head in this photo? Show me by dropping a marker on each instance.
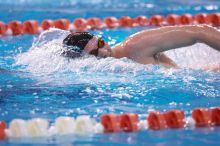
(79, 43)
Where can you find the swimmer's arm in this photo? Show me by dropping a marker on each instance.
(167, 38)
(164, 60)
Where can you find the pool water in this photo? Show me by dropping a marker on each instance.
(35, 81)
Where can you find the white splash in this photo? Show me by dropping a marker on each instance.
(196, 56)
(44, 55)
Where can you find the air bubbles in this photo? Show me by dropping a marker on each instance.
(63, 102)
(34, 93)
(188, 104)
(9, 86)
(173, 104)
(211, 7)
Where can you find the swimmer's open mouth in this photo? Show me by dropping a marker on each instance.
(105, 56)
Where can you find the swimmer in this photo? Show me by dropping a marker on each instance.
(145, 47)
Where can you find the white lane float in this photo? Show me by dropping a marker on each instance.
(27, 128)
(37, 127)
(17, 129)
(64, 125)
(86, 125)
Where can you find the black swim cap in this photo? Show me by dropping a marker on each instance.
(75, 43)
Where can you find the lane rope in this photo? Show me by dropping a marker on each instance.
(94, 23)
(110, 123)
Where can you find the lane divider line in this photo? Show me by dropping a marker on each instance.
(110, 123)
(94, 23)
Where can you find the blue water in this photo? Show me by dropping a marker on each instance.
(36, 82)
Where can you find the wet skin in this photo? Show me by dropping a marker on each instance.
(142, 46)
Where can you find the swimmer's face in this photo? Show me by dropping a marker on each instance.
(83, 42)
(98, 47)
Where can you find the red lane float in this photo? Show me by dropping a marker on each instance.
(200, 18)
(94, 23)
(201, 117)
(173, 19)
(62, 24)
(111, 123)
(80, 24)
(213, 19)
(141, 20)
(126, 21)
(156, 20)
(16, 27)
(129, 122)
(186, 19)
(46, 24)
(2, 130)
(3, 28)
(175, 119)
(156, 121)
(215, 116)
(30, 27)
(111, 22)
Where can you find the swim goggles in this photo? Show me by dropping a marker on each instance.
(101, 44)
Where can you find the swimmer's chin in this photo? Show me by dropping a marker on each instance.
(107, 53)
